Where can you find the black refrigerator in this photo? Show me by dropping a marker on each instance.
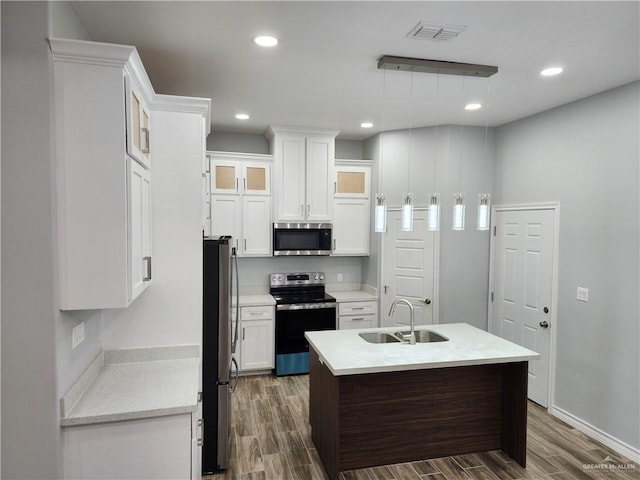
(220, 279)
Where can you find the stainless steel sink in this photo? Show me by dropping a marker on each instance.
(424, 336)
(379, 337)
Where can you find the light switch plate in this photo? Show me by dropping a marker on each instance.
(339, 277)
(583, 294)
(77, 335)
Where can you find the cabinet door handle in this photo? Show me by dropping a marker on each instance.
(145, 134)
(200, 441)
(243, 328)
(357, 308)
(335, 187)
(147, 260)
(308, 209)
(244, 185)
(334, 243)
(301, 209)
(245, 244)
(237, 184)
(357, 318)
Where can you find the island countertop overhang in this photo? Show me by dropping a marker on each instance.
(344, 352)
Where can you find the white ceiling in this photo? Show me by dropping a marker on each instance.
(324, 72)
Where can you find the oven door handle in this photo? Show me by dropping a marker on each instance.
(306, 306)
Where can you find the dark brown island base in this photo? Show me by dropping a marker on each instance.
(361, 420)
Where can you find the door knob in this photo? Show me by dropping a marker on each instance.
(545, 310)
(427, 301)
(544, 324)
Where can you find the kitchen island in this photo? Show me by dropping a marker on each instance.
(381, 403)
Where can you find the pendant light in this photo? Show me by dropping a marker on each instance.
(458, 198)
(407, 213)
(406, 224)
(458, 211)
(380, 221)
(433, 209)
(484, 199)
(380, 212)
(483, 211)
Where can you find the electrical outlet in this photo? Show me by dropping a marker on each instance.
(583, 294)
(77, 335)
(339, 277)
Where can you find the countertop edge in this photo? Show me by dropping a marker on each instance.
(426, 366)
(119, 417)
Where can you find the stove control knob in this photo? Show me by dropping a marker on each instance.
(321, 277)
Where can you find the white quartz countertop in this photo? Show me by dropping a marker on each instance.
(352, 295)
(346, 353)
(254, 300)
(133, 387)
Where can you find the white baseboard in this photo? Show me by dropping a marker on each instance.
(619, 446)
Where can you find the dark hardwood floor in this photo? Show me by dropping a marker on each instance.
(271, 440)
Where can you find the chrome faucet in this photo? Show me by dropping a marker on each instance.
(411, 338)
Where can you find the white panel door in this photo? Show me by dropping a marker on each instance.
(408, 270)
(522, 287)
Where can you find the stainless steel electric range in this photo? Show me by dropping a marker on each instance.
(302, 305)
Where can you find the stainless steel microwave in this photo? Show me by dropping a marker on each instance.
(301, 239)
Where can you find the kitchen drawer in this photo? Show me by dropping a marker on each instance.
(357, 321)
(263, 312)
(357, 308)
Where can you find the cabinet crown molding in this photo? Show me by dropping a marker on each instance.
(353, 163)
(280, 130)
(103, 54)
(180, 104)
(240, 156)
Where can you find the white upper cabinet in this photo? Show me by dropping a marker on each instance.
(241, 200)
(103, 195)
(303, 174)
(351, 207)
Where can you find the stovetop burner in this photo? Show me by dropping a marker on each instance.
(290, 299)
(292, 288)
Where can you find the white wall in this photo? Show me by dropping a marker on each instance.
(30, 429)
(586, 155)
(169, 312)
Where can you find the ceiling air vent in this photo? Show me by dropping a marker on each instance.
(442, 33)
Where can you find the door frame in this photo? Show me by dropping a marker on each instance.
(436, 268)
(555, 207)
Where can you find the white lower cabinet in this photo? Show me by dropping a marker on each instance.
(353, 315)
(150, 448)
(256, 349)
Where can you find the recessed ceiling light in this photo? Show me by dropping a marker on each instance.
(265, 41)
(366, 124)
(242, 116)
(472, 106)
(549, 72)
